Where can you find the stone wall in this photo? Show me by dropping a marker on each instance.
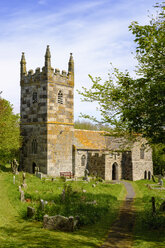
(78, 166)
(140, 165)
(96, 164)
(113, 158)
(47, 118)
(126, 164)
(28, 158)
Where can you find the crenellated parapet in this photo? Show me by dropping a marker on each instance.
(47, 72)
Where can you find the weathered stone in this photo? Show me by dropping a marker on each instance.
(93, 185)
(92, 202)
(22, 196)
(59, 222)
(51, 142)
(30, 212)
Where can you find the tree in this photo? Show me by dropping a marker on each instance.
(9, 131)
(136, 105)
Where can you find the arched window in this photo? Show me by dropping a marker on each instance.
(142, 152)
(34, 146)
(83, 160)
(34, 97)
(60, 97)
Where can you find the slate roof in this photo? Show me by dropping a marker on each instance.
(96, 140)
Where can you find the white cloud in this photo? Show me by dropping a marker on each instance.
(94, 32)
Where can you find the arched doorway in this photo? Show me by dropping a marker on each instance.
(115, 171)
(145, 175)
(33, 167)
(149, 175)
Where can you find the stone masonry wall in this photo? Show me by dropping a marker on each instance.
(110, 159)
(126, 162)
(96, 164)
(78, 166)
(139, 166)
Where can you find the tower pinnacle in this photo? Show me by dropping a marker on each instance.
(71, 64)
(23, 65)
(47, 58)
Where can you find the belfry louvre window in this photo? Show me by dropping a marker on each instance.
(142, 153)
(60, 97)
(34, 146)
(34, 97)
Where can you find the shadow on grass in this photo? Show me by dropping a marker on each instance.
(30, 236)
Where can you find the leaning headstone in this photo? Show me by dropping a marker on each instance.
(159, 178)
(30, 212)
(22, 196)
(24, 185)
(93, 185)
(161, 182)
(13, 179)
(86, 173)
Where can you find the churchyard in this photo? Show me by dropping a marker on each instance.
(94, 204)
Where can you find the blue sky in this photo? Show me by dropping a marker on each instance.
(95, 31)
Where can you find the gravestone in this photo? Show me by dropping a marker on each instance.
(30, 212)
(13, 179)
(24, 185)
(86, 173)
(22, 195)
(14, 166)
(59, 222)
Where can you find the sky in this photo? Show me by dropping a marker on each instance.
(95, 31)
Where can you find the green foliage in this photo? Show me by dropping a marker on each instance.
(136, 105)
(149, 228)
(159, 159)
(87, 125)
(18, 231)
(9, 132)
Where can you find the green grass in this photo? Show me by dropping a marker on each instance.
(17, 231)
(149, 231)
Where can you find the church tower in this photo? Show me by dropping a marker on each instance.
(47, 117)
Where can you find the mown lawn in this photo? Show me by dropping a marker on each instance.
(18, 231)
(149, 229)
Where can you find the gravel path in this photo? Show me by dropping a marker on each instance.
(120, 234)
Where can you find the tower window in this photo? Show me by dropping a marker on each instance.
(83, 160)
(34, 97)
(34, 146)
(60, 97)
(142, 152)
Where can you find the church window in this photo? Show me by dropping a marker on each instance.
(34, 97)
(34, 146)
(60, 97)
(83, 160)
(142, 152)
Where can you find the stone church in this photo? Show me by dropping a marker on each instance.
(50, 141)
